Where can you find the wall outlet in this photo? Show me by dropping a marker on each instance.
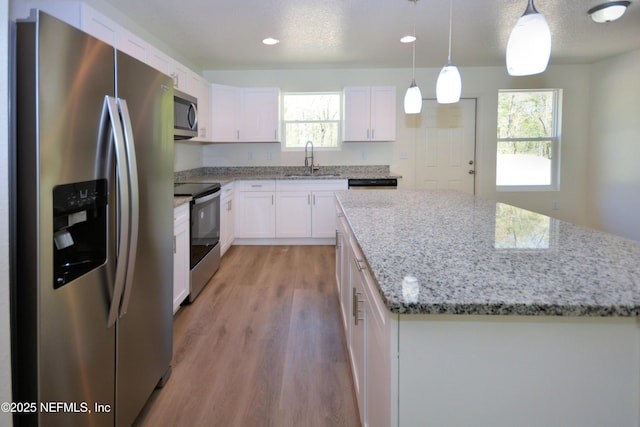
(404, 155)
(250, 155)
(556, 205)
(269, 155)
(363, 155)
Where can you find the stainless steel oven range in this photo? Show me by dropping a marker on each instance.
(205, 232)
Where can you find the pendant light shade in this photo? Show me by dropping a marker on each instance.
(449, 84)
(413, 99)
(413, 96)
(529, 46)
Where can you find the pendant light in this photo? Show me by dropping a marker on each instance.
(449, 83)
(413, 96)
(529, 46)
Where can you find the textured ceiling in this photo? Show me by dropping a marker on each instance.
(227, 34)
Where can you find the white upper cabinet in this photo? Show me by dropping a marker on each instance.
(180, 75)
(370, 113)
(260, 109)
(99, 26)
(132, 45)
(244, 114)
(159, 60)
(225, 105)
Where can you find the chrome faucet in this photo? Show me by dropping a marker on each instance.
(307, 157)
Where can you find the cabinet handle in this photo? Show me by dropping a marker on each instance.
(230, 205)
(308, 199)
(356, 310)
(238, 135)
(358, 265)
(174, 244)
(256, 185)
(314, 199)
(354, 303)
(339, 214)
(368, 131)
(272, 201)
(275, 134)
(176, 80)
(373, 134)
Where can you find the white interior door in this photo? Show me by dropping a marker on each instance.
(446, 145)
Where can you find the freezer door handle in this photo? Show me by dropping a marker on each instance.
(111, 108)
(134, 206)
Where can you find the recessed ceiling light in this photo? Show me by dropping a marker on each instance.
(270, 41)
(408, 39)
(608, 12)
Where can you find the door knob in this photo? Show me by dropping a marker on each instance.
(471, 172)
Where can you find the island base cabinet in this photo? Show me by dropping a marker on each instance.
(518, 371)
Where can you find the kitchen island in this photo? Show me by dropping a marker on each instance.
(472, 312)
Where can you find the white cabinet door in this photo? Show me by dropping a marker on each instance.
(227, 221)
(180, 255)
(180, 75)
(259, 114)
(132, 45)
(370, 113)
(358, 332)
(224, 113)
(383, 113)
(99, 26)
(323, 216)
(293, 214)
(159, 60)
(343, 255)
(202, 90)
(357, 113)
(256, 209)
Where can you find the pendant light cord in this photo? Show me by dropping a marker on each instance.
(450, 24)
(413, 74)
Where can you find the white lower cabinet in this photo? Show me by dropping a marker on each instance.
(256, 213)
(293, 214)
(368, 331)
(180, 254)
(305, 208)
(227, 217)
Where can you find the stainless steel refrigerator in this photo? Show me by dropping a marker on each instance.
(93, 229)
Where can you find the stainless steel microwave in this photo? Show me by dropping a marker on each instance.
(185, 116)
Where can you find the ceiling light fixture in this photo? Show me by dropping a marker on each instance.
(449, 83)
(413, 96)
(608, 12)
(529, 46)
(270, 41)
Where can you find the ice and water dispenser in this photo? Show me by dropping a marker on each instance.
(79, 229)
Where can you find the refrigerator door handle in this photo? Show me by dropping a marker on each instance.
(123, 215)
(134, 202)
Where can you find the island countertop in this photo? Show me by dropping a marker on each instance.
(475, 256)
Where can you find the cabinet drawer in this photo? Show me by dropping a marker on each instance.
(181, 213)
(311, 184)
(257, 185)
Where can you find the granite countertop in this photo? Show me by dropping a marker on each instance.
(474, 256)
(224, 175)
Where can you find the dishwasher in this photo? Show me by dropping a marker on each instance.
(373, 183)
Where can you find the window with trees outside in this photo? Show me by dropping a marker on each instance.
(311, 117)
(528, 149)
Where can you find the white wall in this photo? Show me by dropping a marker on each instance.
(482, 83)
(614, 161)
(5, 342)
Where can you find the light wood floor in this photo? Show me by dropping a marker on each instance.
(262, 345)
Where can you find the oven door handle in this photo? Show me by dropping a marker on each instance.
(208, 197)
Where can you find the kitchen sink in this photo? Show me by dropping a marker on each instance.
(307, 175)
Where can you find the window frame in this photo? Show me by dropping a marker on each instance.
(338, 121)
(555, 139)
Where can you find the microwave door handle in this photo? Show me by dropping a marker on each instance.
(122, 194)
(134, 206)
(193, 110)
